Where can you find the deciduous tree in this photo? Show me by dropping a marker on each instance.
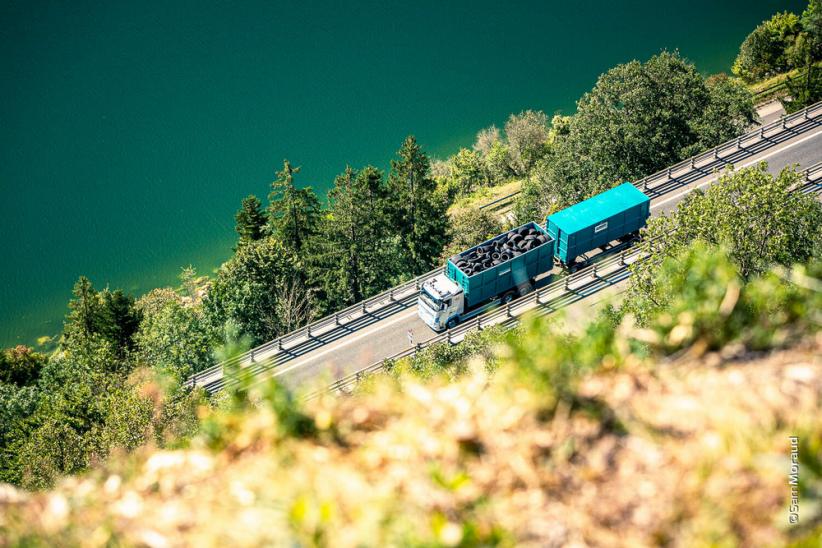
(764, 51)
(750, 213)
(527, 137)
(245, 289)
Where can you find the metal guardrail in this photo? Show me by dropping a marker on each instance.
(502, 200)
(505, 315)
(771, 90)
(713, 155)
(811, 177)
(387, 298)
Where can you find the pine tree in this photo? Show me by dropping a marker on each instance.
(292, 212)
(417, 215)
(251, 220)
(352, 261)
(85, 311)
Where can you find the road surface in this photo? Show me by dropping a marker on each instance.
(342, 350)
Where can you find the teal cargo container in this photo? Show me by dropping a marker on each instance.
(498, 279)
(598, 220)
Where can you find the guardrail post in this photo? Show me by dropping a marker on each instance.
(808, 175)
(336, 319)
(363, 307)
(252, 355)
(669, 173)
(595, 271)
(805, 113)
(716, 152)
(762, 133)
(279, 344)
(508, 310)
(739, 142)
(693, 163)
(567, 280)
(448, 336)
(622, 258)
(308, 330)
(479, 323)
(784, 121)
(417, 347)
(645, 183)
(391, 295)
(358, 376)
(417, 283)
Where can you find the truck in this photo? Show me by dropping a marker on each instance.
(490, 273)
(507, 265)
(611, 215)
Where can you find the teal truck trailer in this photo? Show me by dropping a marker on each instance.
(491, 272)
(611, 215)
(499, 269)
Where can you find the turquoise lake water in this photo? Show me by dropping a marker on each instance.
(130, 131)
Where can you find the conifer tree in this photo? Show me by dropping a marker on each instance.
(353, 261)
(416, 213)
(251, 220)
(292, 212)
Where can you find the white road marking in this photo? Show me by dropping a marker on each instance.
(746, 164)
(345, 342)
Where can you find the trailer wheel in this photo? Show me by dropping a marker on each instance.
(452, 323)
(507, 298)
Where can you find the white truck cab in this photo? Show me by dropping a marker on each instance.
(441, 303)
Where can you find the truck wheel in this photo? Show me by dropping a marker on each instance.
(507, 298)
(452, 323)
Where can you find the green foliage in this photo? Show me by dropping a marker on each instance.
(764, 52)
(804, 91)
(221, 427)
(107, 315)
(250, 220)
(21, 365)
(467, 173)
(260, 290)
(493, 152)
(527, 137)
(452, 360)
(173, 336)
(417, 216)
(468, 228)
(292, 212)
(697, 296)
(639, 118)
(86, 403)
(16, 405)
(729, 113)
(753, 214)
(812, 25)
(354, 254)
(552, 362)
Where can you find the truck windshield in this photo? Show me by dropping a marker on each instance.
(432, 302)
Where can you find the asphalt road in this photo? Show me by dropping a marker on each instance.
(389, 335)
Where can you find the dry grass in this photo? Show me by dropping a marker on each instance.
(686, 453)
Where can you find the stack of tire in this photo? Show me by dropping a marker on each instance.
(499, 250)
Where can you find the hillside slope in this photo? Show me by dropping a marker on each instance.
(688, 451)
